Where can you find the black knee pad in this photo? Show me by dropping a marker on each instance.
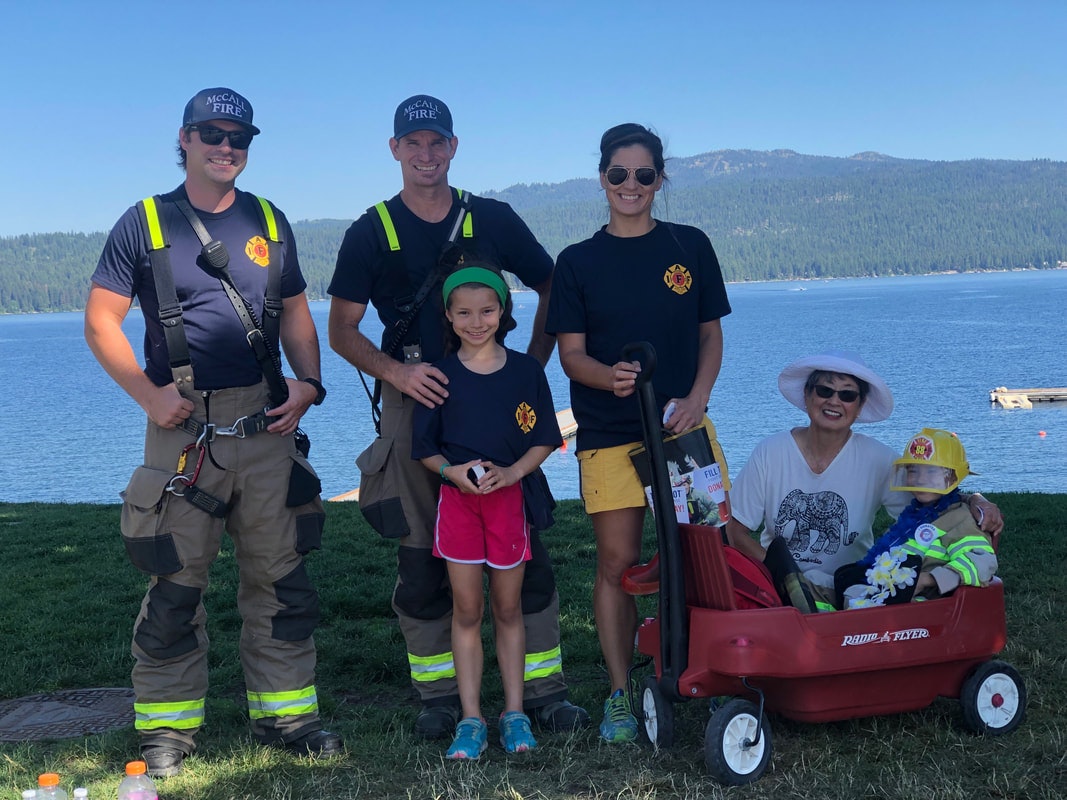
(538, 581)
(299, 616)
(167, 630)
(422, 592)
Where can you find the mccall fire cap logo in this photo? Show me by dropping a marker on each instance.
(219, 103)
(422, 113)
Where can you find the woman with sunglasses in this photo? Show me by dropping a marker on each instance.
(817, 488)
(636, 279)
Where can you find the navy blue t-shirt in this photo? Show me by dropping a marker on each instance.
(495, 417)
(657, 288)
(218, 347)
(500, 236)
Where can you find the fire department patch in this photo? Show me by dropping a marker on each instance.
(926, 534)
(526, 417)
(257, 251)
(678, 279)
(921, 448)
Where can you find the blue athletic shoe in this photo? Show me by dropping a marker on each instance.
(619, 725)
(515, 733)
(470, 741)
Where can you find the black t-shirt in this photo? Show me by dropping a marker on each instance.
(495, 417)
(500, 236)
(218, 347)
(657, 288)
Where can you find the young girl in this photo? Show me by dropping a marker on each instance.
(496, 426)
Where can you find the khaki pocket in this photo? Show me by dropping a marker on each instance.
(149, 545)
(304, 483)
(379, 490)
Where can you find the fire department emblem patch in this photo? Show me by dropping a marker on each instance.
(526, 417)
(678, 279)
(921, 448)
(257, 251)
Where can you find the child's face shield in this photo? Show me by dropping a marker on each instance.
(924, 478)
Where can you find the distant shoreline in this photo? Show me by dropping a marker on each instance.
(1060, 266)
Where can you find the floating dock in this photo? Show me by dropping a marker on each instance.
(567, 426)
(1025, 398)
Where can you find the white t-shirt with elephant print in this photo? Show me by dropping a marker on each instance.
(826, 518)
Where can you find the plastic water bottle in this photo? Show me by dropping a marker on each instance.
(81, 794)
(137, 785)
(48, 788)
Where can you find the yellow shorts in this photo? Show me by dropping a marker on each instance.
(609, 480)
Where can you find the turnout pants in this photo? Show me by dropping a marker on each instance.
(175, 543)
(422, 599)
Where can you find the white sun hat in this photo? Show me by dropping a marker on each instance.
(879, 402)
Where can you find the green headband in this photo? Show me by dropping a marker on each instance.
(486, 277)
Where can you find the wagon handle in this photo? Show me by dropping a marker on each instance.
(644, 353)
(673, 621)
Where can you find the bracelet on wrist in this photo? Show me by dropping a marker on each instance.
(441, 471)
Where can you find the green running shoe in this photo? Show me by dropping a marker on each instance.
(619, 724)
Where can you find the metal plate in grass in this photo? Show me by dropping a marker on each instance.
(65, 714)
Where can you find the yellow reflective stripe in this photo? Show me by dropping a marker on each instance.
(155, 230)
(541, 665)
(180, 716)
(432, 668)
(272, 224)
(282, 704)
(468, 222)
(387, 223)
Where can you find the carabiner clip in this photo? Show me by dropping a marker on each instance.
(189, 480)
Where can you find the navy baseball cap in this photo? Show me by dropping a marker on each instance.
(219, 103)
(422, 113)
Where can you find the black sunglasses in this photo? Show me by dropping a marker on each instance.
(210, 135)
(646, 176)
(846, 395)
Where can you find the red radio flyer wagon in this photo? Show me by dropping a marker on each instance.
(805, 667)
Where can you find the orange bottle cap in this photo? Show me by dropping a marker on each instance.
(136, 768)
(48, 779)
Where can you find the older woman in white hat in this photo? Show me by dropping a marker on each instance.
(819, 486)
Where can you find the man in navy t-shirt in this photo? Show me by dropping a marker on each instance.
(219, 448)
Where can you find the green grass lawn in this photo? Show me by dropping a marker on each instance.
(69, 597)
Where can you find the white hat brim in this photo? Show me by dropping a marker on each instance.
(879, 402)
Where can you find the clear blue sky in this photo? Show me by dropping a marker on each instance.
(92, 92)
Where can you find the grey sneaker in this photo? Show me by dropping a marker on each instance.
(560, 716)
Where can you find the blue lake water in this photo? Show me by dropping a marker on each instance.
(941, 342)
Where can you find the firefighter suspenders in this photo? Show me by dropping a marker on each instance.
(170, 317)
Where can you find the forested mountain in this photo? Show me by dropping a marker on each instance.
(770, 215)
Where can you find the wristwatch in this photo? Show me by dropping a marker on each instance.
(318, 388)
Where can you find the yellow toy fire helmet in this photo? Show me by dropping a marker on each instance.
(933, 461)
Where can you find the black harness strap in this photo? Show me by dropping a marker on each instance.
(409, 306)
(214, 253)
(170, 310)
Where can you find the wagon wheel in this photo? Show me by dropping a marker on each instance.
(658, 713)
(993, 699)
(737, 743)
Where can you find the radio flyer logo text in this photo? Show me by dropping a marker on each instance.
(905, 635)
